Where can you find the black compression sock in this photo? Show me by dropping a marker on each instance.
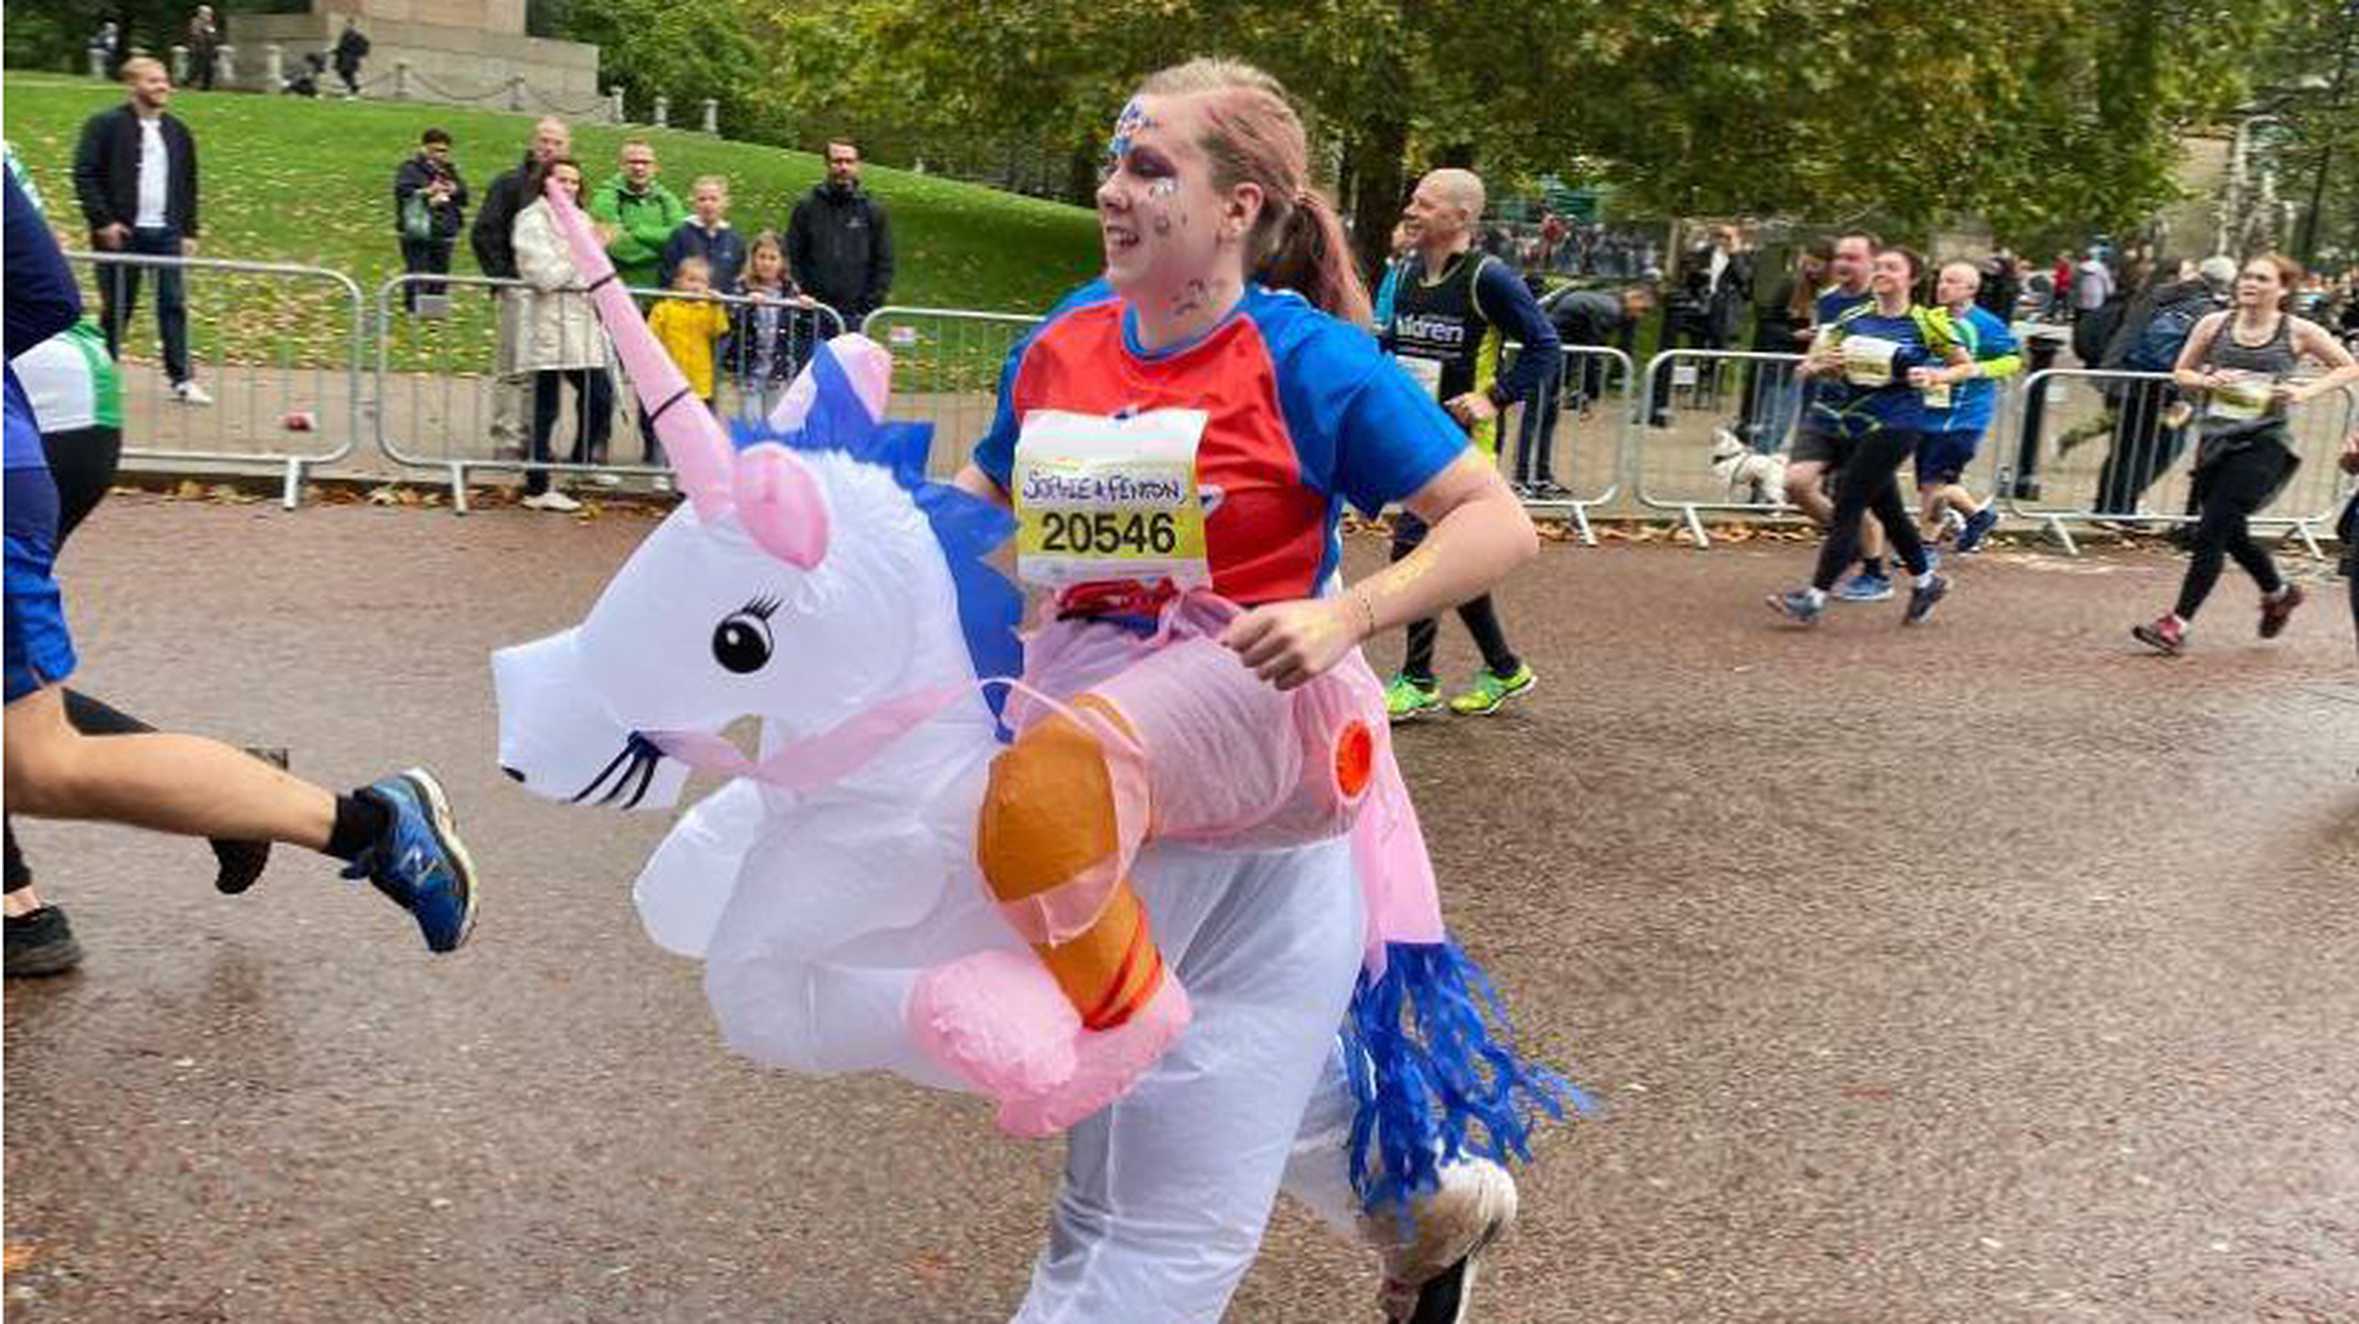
(361, 821)
(1872, 565)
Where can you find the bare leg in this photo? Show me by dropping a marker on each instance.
(1805, 481)
(180, 784)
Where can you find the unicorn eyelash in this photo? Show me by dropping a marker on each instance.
(763, 608)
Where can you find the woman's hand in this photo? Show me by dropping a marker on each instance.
(1290, 644)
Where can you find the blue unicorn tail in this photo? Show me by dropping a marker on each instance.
(1429, 1053)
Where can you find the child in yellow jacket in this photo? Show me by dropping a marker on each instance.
(688, 328)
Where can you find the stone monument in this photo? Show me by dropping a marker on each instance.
(469, 52)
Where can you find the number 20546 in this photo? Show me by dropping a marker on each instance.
(1109, 533)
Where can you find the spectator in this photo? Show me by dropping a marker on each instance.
(1581, 317)
(107, 45)
(2060, 289)
(204, 45)
(2002, 286)
(2148, 435)
(303, 79)
(135, 175)
(767, 355)
(495, 256)
(688, 328)
(1773, 391)
(706, 235)
(1716, 286)
(2092, 285)
(837, 243)
(429, 206)
(640, 215)
(562, 341)
(1404, 256)
(351, 48)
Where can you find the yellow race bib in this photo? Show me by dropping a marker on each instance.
(1102, 499)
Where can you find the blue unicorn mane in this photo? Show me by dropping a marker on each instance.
(968, 528)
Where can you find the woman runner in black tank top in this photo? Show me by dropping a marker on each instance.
(2240, 365)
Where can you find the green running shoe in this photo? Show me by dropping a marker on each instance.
(1405, 698)
(1491, 690)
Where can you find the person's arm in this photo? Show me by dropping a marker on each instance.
(1478, 533)
(880, 258)
(2000, 354)
(90, 182)
(650, 229)
(2188, 371)
(1503, 300)
(798, 244)
(42, 298)
(2341, 369)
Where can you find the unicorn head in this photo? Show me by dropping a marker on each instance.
(813, 576)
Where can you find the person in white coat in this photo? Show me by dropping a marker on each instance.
(561, 341)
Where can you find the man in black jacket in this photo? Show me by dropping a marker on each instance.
(493, 237)
(1708, 311)
(837, 243)
(351, 49)
(135, 176)
(429, 204)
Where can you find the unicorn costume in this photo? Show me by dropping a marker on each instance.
(1211, 876)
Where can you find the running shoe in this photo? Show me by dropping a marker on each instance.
(1430, 1270)
(1921, 599)
(40, 942)
(1405, 699)
(1797, 606)
(1863, 587)
(420, 863)
(1490, 690)
(1978, 527)
(2163, 634)
(2275, 612)
(189, 393)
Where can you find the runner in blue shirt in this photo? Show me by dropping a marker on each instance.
(1874, 367)
(1956, 433)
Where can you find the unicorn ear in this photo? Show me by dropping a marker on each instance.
(779, 503)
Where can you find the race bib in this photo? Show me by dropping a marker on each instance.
(1937, 396)
(1426, 372)
(2240, 401)
(1867, 360)
(1102, 499)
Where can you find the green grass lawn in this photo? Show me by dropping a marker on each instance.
(311, 182)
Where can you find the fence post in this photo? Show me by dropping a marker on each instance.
(712, 116)
(663, 111)
(97, 62)
(225, 65)
(401, 80)
(614, 104)
(274, 67)
(179, 64)
(516, 92)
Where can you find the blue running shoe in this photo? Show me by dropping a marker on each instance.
(1978, 527)
(420, 862)
(1921, 600)
(1863, 587)
(1797, 606)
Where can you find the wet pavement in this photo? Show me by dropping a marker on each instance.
(1988, 971)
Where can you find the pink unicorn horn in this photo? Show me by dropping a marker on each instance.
(690, 434)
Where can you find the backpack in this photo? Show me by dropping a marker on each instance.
(2157, 346)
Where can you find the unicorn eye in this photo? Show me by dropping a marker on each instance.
(741, 642)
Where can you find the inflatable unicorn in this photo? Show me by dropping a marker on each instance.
(814, 579)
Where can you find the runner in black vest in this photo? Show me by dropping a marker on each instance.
(1451, 318)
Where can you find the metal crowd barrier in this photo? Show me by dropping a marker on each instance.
(456, 382)
(1673, 467)
(2090, 447)
(1562, 447)
(946, 365)
(278, 347)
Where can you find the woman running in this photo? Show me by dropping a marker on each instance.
(1222, 349)
(1876, 365)
(2240, 364)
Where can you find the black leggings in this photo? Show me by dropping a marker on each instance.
(1481, 618)
(1870, 481)
(2229, 491)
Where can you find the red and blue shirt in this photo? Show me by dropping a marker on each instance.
(1305, 413)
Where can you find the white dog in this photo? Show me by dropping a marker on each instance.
(1739, 465)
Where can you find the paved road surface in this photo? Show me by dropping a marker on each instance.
(1984, 972)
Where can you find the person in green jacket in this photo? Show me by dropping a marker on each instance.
(639, 214)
